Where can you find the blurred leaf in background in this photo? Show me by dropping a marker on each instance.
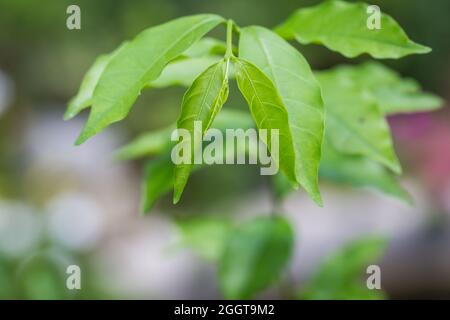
(207, 236)
(392, 93)
(343, 28)
(341, 276)
(250, 257)
(7, 287)
(42, 277)
(358, 171)
(255, 256)
(348, 170)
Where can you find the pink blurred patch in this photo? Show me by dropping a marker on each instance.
(424, 142)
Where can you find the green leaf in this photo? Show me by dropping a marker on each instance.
(355, 171)
(202, 102)
(255, 256)
(393, 93)
(139, 63)
(300, 93)
(341, 275)
(205, 235)
(394, 102)
(342, 27)
(358, 171)
(158, 180)
(182, 72)
(83, 99)
(268, 111)
(355, 123)
(158, 141)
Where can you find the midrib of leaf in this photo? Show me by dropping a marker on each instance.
(219, 101)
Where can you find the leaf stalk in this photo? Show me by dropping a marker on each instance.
(229, 52)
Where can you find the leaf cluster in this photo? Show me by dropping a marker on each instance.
(332, 124)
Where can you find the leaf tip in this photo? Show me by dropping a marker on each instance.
(318, 200)
(396, 167)
(176, 197)
(68, 115)
(177, 192)
(147, 203)
(145, 209)
(315, 195)
(85, 134)
(81, 138)
(423, 49)
(314, 192)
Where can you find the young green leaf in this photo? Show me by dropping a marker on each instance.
(355, 124)
(202, 102)
(207, 236)
(341, 275)
(393, 93)
(343, 27)
(358, 171)
(182, 72)
(255, 256)
(139, 63)
(268, 111)
(300, 93)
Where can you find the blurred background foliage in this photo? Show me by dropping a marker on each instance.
(63, 205)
